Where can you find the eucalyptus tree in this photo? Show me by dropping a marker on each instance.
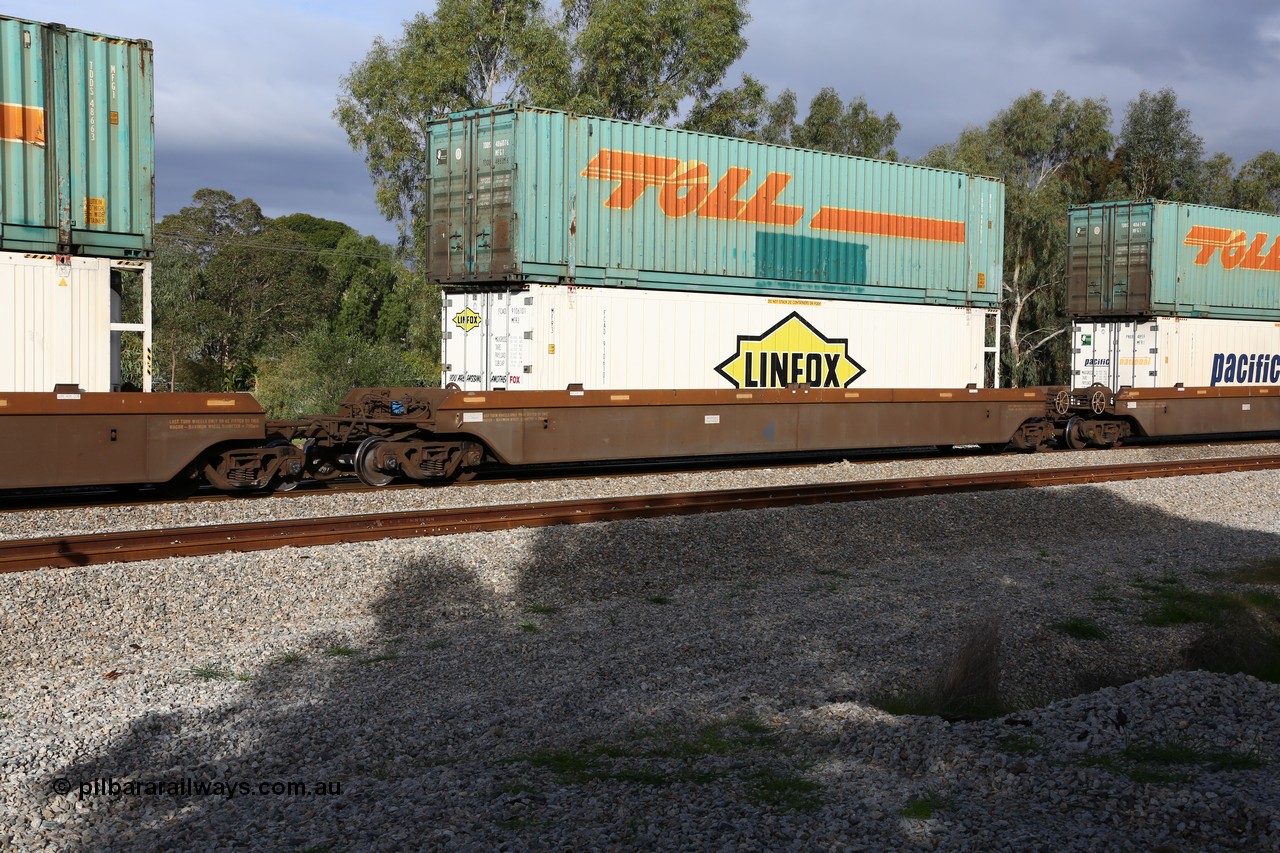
(628, 59)
(1159, 154)
(1041, 147)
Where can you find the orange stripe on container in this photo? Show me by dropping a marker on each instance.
(22, 124)
(888, 225)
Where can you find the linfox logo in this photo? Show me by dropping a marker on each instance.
(1237, 252)
(792, 352)
(466, 320)
(684, 188)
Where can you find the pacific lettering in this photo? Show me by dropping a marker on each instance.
(1245, 368)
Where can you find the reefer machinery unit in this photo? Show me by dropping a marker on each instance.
(1167, 259)
(548, 337)
(535, 196)
(1161, 352)
(77, 148)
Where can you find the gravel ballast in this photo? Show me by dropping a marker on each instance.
(708, 682)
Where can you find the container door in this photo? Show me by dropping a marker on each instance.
(1109, 261)
(471, 194)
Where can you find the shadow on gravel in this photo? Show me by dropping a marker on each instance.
(670, 683)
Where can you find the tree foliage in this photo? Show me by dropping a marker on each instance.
(1043, 149)
(241, 298)
(628, 59)
(1159, 155)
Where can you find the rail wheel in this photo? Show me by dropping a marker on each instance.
(366, 463)
(183, 485)
(1073, 435)
(1062, 402)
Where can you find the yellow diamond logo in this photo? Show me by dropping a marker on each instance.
(791, 353)
(466, 320)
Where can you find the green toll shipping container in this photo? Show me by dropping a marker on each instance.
(77, 142)
(1168, 259)
(527, 195)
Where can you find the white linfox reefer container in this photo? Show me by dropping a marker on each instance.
(59, 321)
(548, 337)
(1163, 351)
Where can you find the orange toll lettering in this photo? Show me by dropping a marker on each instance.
(763, 207)
(686, 191)
(634, 172)
(888, 225)
(686, 188)
(722, 204)
(1237, 250)
(20, 123)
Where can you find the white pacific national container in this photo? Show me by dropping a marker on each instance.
(548, 337)
(1163, 351)
(57, 323)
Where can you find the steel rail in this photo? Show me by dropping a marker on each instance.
(129, 546)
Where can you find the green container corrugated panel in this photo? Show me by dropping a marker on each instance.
(77, 141)
(527, 195)
(1167, 259)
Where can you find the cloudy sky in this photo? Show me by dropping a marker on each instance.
(245, 89)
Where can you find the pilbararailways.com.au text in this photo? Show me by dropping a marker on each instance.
(190, 786)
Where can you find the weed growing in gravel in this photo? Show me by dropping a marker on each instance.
(1240, 634)
(793, 793)
(531, 628)
(965, 688)
(716, 753)
(288, 658)
(1170, 762)
(385, 656)
(1080, 628)
(212, 672)
(923, 808)
(541, 609)
(658, 599)
(1265, 573)
(340, 652)
(835, 573)
(1020, 745)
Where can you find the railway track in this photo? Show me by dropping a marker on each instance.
(130, 546)
(98, 497)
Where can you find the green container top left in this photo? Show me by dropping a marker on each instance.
(77, 141)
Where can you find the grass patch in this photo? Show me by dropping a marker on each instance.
(923, 808)
(1020, 745)
(834, 573)
(212, 672)
(541, 609)
(1080, 628)
(1266, 573)
(1172, 761)
(967, 687)
(658, 599)
(530, 628)
(288, 658)
(793, 793)
(385, 656)
(664, 757)
(1241, 633)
